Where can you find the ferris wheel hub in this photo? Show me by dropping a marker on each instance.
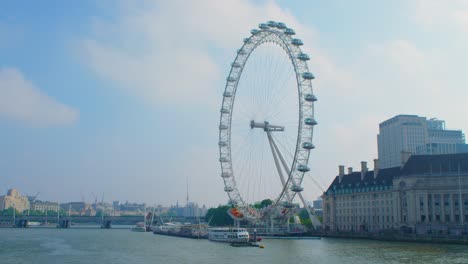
(266, 126)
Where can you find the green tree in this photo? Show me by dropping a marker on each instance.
(263, 203)
(51, 212)
(9, 212)
(36, 213)
(305, 219)
(219, 216)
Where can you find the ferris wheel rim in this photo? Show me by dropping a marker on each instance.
(305, 130)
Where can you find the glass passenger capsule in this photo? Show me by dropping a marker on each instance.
(235, 65)
(308, 145)
(254, 31)
(271, 23)
(263, 26)
(297, 188)
(225, 175)
(297, 42)
(310, 98)
(308, 76)
(310, 121)
(280, 25)
(303, 168)
(224, 111)
(289, 31)
(228, 189)
(303, 57)
(227, 94)
(223, 159)
(231, 79)
(222, 143)
(223, 127)
(241, 52)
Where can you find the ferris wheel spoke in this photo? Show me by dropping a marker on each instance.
(278, 90)
(241, 146)
(274, 87)
(244, 167)
(243, 110)
(280, 107)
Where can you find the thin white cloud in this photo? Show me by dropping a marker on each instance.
(21, 101)
(177, 52)
(433, 14)
(429, 13)
(461, 18)
(407, 57)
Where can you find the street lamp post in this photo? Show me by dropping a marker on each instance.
(14, 214)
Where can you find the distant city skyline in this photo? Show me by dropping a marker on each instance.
(123, 98)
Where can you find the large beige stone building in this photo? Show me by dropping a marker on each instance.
(427, 193)
(15, 200)
(44, 206)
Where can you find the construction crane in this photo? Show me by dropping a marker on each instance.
(83, 210)
(33, 198)
(95, 201)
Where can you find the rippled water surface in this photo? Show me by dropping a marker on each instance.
(76, 245)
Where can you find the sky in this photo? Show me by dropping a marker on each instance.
(120, 99)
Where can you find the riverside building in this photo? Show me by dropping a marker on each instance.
(428, 193)
(44, 206)
(13, 199)
(403, 135)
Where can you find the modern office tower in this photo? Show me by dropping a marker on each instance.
(404, 135)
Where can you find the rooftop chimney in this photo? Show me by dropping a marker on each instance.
(350, 170)
(363, 169)
(376, 168)
(340, 173)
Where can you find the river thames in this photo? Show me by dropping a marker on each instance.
(79, 245)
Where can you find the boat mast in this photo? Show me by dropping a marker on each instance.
(152, 215)
(144, 216)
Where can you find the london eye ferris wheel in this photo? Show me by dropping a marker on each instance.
(266, 124)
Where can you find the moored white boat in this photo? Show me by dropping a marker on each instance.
(228, 234)
(139, 227)
(167, 228)
(33, 223)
